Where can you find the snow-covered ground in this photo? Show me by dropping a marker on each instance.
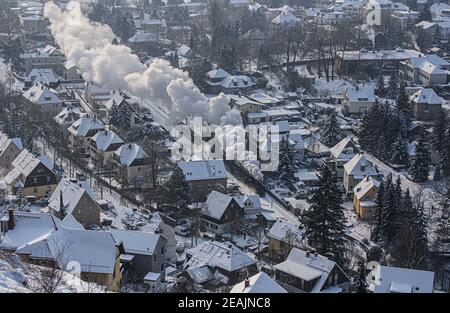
(18, 277)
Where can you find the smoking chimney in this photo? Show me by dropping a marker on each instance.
(11, 222)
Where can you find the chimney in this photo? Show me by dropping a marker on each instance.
(246, 283)
(11, 223)
(307, 254)
(61, 202)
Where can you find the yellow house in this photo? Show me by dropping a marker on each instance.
(364, 196)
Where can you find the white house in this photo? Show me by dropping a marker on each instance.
(356, 170)
(42, 101)
(259, 283)
(386, 279)
(358, 99)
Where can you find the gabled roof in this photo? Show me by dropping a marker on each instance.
(259, 283)
(5, 142)
(71, 195)
(286, 18)
(217, 74)
(307, 267)
(282, 228)
(128, 153)
(43, 76)
(426, 96)
(345, 149)
(40, 94)
(84, 124)
(359, 166)
(116, 100)
(402, 280)
(216, 204)
(360, 93)
(203, 169)
(365, 186)
(136, 242)
(28, 226)
(26, 162)
(68, 115)
(222, 255)
(96, 251)
(105, 138)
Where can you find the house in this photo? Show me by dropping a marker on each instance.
(204, 176)
(96, 94)
(343, 152)
(97, 253)
(41, 101)
(119, 101)
(71, 72)
(272, 115)
(18, 227)
(283, 236)
(364, 195)
(259, 283)
(348, 62)
(284, 19)
(426, 105)
(358, 99)
(66, 118)
(81, 132)
(35, 174)
(386, 279)
(132, 164)
(221, 81)
(43, 76)
(9, 150)
(220, 211)
(222, 258)
(304, 271)
(244, 104)
(103, 145)
(70, 198)
(425, 70)
(46, 57)
(355, 171)
(161, 224)
(406, 18)
(143, 252)
(251, 205)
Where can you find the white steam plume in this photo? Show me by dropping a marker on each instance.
(88, 45)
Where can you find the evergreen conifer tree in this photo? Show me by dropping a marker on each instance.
(420, 165)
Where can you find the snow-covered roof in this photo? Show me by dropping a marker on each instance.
(359, 167)
(254, 34)
(283, 229)
(259, 283)
(216, 204)
(130, 152)
(5, 142)
(200, 274)
(142, 36)
(286, 18)
(68, 115)
(26, 162)
(237, 81)
(40, 94)
(365, 186)
(116, 100)
(137, 242)
(218, 74)
(426, 96)
(28, 226)
(44, 52)
(401, 280)
(203, 169)
(70, 222)
(360, 94)
(84, 124)
(43, 76)
(105, 138)
(344, 149)
(307, 266)
(255, 201)
(71, 194)
(96, 251)
(222, 255)
(368, 55)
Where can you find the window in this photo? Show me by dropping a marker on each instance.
(162, 250)
(156, 258)
(35, 190)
